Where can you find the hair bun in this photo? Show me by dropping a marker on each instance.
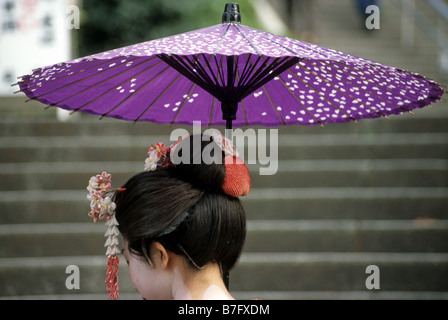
(237, 178)
(229, 174)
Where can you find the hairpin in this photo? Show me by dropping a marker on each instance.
(158, 156)
(102, 206)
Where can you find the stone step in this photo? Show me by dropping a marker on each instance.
(265, 295)
(420, 235)
(427, 118)
(60, 206)
(73, 239)
(341, 28)
(340, 271)
(424, 120)
(46, 275)
(14, 108)
(320, 295)
(292, 173)
(347, 207)
(322, 146)
(278, 272)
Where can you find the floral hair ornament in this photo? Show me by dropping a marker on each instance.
(102, 206)
(158, 156)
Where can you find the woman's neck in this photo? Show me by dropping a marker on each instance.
(205, 284)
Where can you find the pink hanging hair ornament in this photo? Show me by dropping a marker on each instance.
(102, 206)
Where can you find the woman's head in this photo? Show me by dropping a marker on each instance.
(184, 209)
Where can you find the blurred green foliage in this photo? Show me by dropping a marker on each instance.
(109, 24)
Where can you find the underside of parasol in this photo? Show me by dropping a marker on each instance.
(224, 77)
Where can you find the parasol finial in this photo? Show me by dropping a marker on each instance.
(231, 13)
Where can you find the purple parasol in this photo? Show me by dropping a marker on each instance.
(230, 74)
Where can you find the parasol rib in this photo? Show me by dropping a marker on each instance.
(244, 74)
(298, 99)
(75, 82)
(246, 123)
(264, 75)
(242, 101)
(321, 95)
(207, 61)
(256, 75)
(338, 89)
(136, 91)
(106, 80)
(183, 103)
(157, 98)
(273, 105)
(211, 112)
(112, 89)
(220, 69)
(244, 79)
(248, 40)
(78, 70)
(205, 80)
(372, 108)
(221, 39)
(275, 70)
(374, 94)
(90, 87)
(367, 79)
(144, 47)
(181, 66)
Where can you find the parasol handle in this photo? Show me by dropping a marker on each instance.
(229, 114)
(229, 124)
(229, 130)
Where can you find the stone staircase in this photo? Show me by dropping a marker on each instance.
(345, 196)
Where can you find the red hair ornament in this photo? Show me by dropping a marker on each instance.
(237, 179)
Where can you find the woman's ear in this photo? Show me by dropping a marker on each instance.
(160, 254)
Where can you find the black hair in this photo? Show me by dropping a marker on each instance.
(213, 228)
